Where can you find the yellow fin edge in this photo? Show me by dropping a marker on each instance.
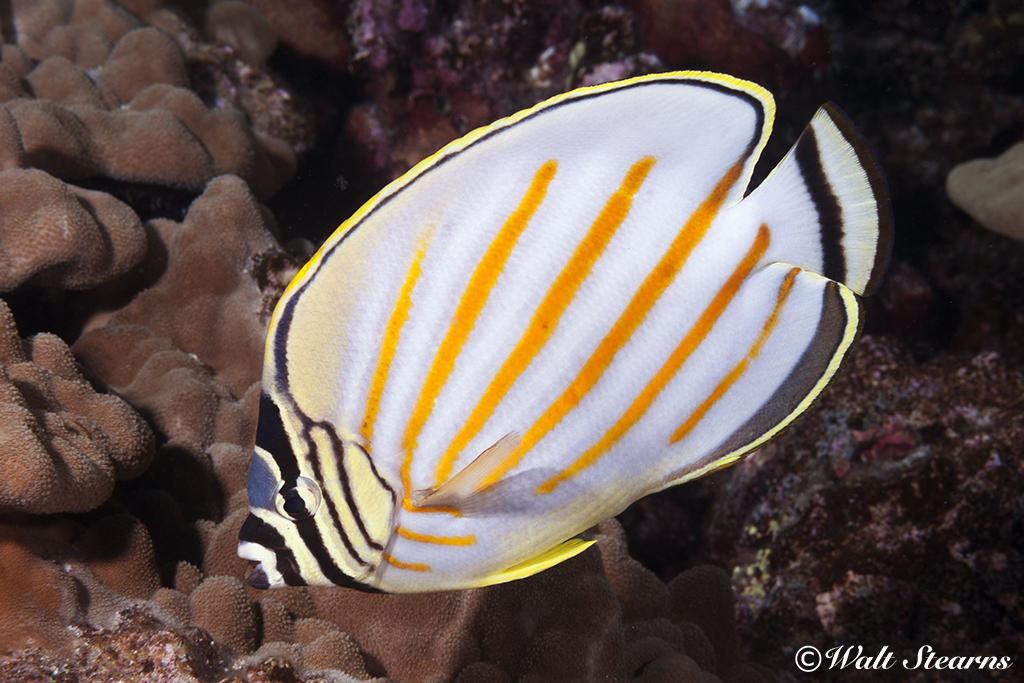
(549, 558)
(753, 89)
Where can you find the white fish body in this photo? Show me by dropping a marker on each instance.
(548, 319)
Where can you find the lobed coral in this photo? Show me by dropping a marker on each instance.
(59, 235)
(91, 92)
(64, 444)
(199, 320)
(992, 191)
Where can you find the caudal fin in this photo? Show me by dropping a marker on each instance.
(827, 205)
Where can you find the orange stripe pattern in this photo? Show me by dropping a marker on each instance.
(544, 320)
(686, 347)
(472, 302)
(387, 352)
(741, 367)
(646, 296)
(411, 566)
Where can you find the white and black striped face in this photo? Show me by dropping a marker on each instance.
(260, 540)
(304, 526)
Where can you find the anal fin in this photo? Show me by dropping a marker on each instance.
(549, 558)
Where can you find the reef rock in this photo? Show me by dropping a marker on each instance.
(886, 516)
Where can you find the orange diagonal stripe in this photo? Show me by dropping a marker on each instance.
(642, 302)
(472, 302)
(411, 566)
(440, 540)
(678, 356)
(741, 367)
(390, 342)
(544, 320)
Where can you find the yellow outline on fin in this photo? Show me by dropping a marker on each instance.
(549, 558)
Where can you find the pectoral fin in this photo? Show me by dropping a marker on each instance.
(473, 479)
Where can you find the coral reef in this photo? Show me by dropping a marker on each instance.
(137, 140)
(313, 28)
(770, 42)
(241, 26)
(958, 95)
(200, 320)
(92, 93)
(186, 353)
(438, 70)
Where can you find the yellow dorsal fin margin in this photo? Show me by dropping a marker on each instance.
(549, 558)
(467, 482)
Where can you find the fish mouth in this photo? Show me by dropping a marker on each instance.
(256, 577)
(262, 571)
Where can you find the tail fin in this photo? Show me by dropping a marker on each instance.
(827, 205)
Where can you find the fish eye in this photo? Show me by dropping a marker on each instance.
(300, 501)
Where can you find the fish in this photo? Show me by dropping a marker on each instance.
(550, 318)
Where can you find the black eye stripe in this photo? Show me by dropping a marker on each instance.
(272, 437)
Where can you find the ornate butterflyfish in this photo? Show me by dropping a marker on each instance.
(548, 319)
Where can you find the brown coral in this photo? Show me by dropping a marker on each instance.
(63, 444)
(187, 349)
(221, 606)
(63, 236)
(141, 58)
(134, 118)
(601, 614)
(57, 78)
(119, 551)
(309, 27)
(241, 26)
(36, 595)
(54, 573)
